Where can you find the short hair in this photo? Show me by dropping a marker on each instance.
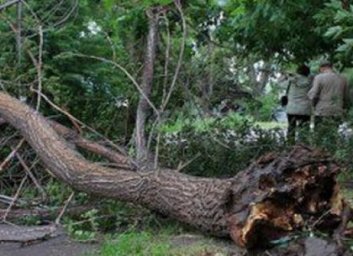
(325, 64)
(303, 70)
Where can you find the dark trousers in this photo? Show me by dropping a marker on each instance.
(300, 123)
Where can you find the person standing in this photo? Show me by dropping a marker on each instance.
(299, 105)
(329, 96)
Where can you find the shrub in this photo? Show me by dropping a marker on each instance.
(216, 146)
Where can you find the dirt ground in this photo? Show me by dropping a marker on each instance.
(57, 246)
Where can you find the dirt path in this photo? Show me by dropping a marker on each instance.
(58, 246)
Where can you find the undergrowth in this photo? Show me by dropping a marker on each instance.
(163, 243)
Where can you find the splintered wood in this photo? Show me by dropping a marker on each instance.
(278, 195)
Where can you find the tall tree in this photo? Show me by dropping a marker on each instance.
(153, 15)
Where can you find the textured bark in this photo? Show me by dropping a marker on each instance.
(44, 214)
(273, 197)
(8, 4)
(19, 33)
(24, 234)
(121, 159)
(147, 79)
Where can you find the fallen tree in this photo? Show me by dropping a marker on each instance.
(275, 196)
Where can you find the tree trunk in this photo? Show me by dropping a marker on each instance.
(147, 79)
(273, 197)
(259, 78)
(345, 4)
(19, 33)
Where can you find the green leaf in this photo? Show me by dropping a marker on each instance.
(149, 3)
(108, 4)
(164, 2)
(333, 32)
(348, 41)
(342, 15)
(343, 48)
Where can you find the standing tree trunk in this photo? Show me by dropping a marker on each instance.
(273, 197)
(345, 4)
(259, 78)
(19, 12)
(147, 80)
(19, 33)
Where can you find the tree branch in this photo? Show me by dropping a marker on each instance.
(8, 4)
(70, 135)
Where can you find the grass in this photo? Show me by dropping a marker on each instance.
(271, 125)
(132, 243)
(148, 243)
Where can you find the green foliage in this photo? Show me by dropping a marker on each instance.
(216, 146)
(337, 139)
(148, 3)
(59, 191)
(268, 28)
(163, 242)
(139, 244)
(29, 220)
(262, 107)
(85, 229)
(111, 216)
(340, 31)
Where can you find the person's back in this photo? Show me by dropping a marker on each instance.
(298, 101)
(299, 105)
(329, 94)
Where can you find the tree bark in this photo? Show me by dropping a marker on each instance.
(8, 4)
(19, 33)
(345, 4)
(147, 79)
(272, 198)
(259, 78)
(70, 135)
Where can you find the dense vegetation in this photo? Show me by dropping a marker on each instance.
(214, 85)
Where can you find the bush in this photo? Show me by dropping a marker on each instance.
(216, 146)
(262, 108)
(338, 141)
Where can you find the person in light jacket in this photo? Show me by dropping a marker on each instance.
(329, 95)
(299, 105)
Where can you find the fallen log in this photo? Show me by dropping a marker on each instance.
(26, 234)
(43, 214)
(275, 196)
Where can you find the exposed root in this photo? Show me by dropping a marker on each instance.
(280, 195)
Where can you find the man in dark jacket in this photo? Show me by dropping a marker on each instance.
(329, 95)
